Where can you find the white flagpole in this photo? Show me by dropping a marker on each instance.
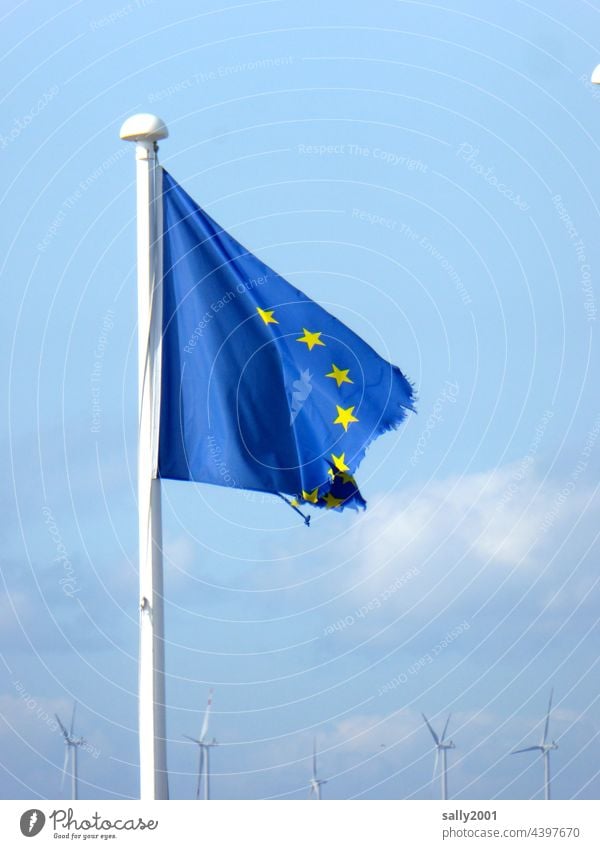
(145, 130)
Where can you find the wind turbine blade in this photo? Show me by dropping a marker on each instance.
(64, 769)
(315, 757)
(443, 737)
(545, 737)
(62, 727)
(200, 765)
(528, 749)
(206, 715)
(433, 734)
(191, 739)
(73, 719)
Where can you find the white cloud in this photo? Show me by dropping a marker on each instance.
(475, 549)
(459, 525)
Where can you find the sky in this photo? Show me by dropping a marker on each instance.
(428, 172)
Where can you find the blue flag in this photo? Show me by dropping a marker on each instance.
(261, 388)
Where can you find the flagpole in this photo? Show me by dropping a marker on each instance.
(146, 130)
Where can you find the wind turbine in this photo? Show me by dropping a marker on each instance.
(545, 748)
(71, 745)
(204, 755)
(441, 745)
(315, 783)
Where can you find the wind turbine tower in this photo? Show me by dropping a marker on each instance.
(204, 746)
(441, 748)
(544, 748)
(315, 782)
(72, 743)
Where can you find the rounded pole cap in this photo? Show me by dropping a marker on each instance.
(596, 75)
(143, 127)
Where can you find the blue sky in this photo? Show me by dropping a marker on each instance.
(429, 173)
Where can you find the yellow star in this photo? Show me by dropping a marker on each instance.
(340, 462)
(340, 375)
(347, 478)
(313, 496)
(332, 501)
(267, 316)
(345, 416)
(311, 339)
(294, 502)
